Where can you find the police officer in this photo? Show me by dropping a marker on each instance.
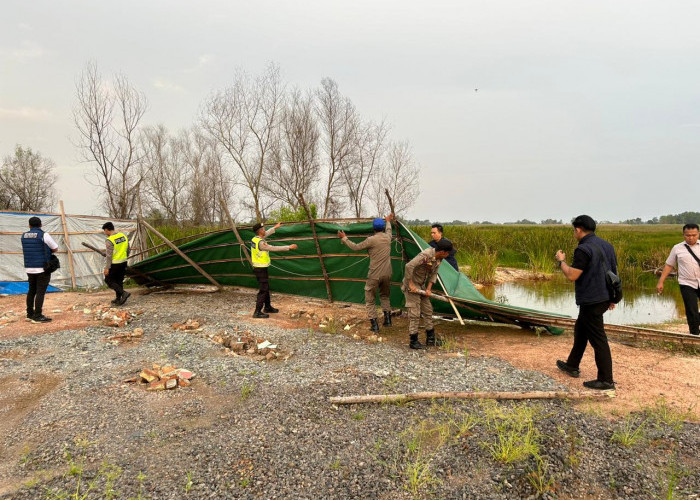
(378, 247)
(116, 253)
(261, 261)
(421, 272)
(37, 247)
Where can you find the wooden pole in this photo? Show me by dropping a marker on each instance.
(66, 238)
(318, 246)
(182, 254)
(402, 398)
(235, 230)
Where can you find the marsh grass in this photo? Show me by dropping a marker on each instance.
(639, 248)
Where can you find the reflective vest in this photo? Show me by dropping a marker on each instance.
(260, 258)
(121, 244)
(36, 252)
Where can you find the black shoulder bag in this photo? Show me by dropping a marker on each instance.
(612, 280)
(693, 254)
(52, 263)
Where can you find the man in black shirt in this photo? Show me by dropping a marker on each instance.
(436, 235)
(593, 299)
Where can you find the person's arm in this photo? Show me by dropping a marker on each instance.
(109, 249)
(664, 274)
(409, 270)
(571, 273)
(272, 229)
(266, 247)
(366, 243)
(51, 243)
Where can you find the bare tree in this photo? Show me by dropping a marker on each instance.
(168, 175)
(243, 119)
(27, 181)
(211, 181)
(295, 165)
(400, 175)
(360, 173)
(107, 119)
(338, 119)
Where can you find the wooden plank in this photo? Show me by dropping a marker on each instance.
(71, 265)
(402, 398)
(318, 247)
(182, 254)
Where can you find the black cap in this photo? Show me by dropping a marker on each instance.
(34, 222)
(108, 226)
(443, 245)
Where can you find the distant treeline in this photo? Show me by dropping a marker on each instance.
(682, 218)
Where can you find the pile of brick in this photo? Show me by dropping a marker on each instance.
(190, 324)
(247, 344)
(110, 316)
(160, 378)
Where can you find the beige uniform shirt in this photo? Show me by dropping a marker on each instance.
(422, 269)
(378, 247)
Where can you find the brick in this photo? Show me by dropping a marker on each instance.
(149, 375)
(156, 385)
(184, 374)
(171, 383)
(183, 383)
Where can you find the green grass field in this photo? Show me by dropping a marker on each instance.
(640, 248)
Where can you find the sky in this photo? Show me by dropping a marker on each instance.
(514, 110)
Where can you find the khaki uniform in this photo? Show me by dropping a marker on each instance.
(422, 269)
(378, 247)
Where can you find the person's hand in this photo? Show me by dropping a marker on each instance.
(341, 234)
(660, 287)
(412, 287)
(428, 292)
(389, 217)
(106, 271)
(278, 225)
(560, 256)
(293, 246)
(611, 306)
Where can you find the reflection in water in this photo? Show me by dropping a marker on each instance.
(637, 306)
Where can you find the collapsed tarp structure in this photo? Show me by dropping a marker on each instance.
(323, 267)
(80, 266)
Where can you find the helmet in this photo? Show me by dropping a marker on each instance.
(379, 224)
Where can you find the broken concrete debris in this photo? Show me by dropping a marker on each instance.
(159, 378)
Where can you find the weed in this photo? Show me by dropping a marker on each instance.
(630, 433)
(391, 382)
(466, 355)
(246, 390)
(663, 414)
(188, 483)
(335, 465)
(330, 326)
(448, 344)
(358, 416)
(673, 473)
(540, 477)
(516, 437)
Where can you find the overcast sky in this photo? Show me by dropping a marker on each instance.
(582, 107)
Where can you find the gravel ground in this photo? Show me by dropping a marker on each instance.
(266, 429)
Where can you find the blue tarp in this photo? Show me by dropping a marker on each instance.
(20, 288)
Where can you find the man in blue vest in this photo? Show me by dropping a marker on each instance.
(260, 255)
(37, 247)
(588, 274)
(116, 255)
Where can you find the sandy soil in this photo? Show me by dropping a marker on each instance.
(643, 375)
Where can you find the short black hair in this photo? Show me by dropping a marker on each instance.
(585, 222)
(444, 245)
(108, 225)
(34, 222)
(690, 225)
(438, 227)
(257, 227)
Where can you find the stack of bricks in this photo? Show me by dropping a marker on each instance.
(160, 378)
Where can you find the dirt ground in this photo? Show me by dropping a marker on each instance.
(643, 374)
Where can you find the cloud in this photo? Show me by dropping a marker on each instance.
(26, 52)
(202, 61)
(29, 114)
(169, 86)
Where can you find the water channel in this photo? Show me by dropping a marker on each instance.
(638, 307)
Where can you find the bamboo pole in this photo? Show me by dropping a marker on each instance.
(318, 246)
(402, 398)
(182, 254)
(67, 241)
(235, 230)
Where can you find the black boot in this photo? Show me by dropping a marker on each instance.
(387, 318)
(259, 314)
(431, 340)
(269, 309)
(375, 326)
(415, 343)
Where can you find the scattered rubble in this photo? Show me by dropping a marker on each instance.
(160, 378)
(128, 336)
(190, 324)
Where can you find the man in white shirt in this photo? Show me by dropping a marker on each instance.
(37, 247)
(685, 256)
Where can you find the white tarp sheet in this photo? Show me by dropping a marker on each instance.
(87, 264)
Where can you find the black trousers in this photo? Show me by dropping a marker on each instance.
(589, 328)
(38, 283)
(263, 298)
(115, 278)
(690, 301)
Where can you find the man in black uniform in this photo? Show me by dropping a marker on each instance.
(593, 299)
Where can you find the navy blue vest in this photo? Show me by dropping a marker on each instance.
(36, 252)
(590, 286)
